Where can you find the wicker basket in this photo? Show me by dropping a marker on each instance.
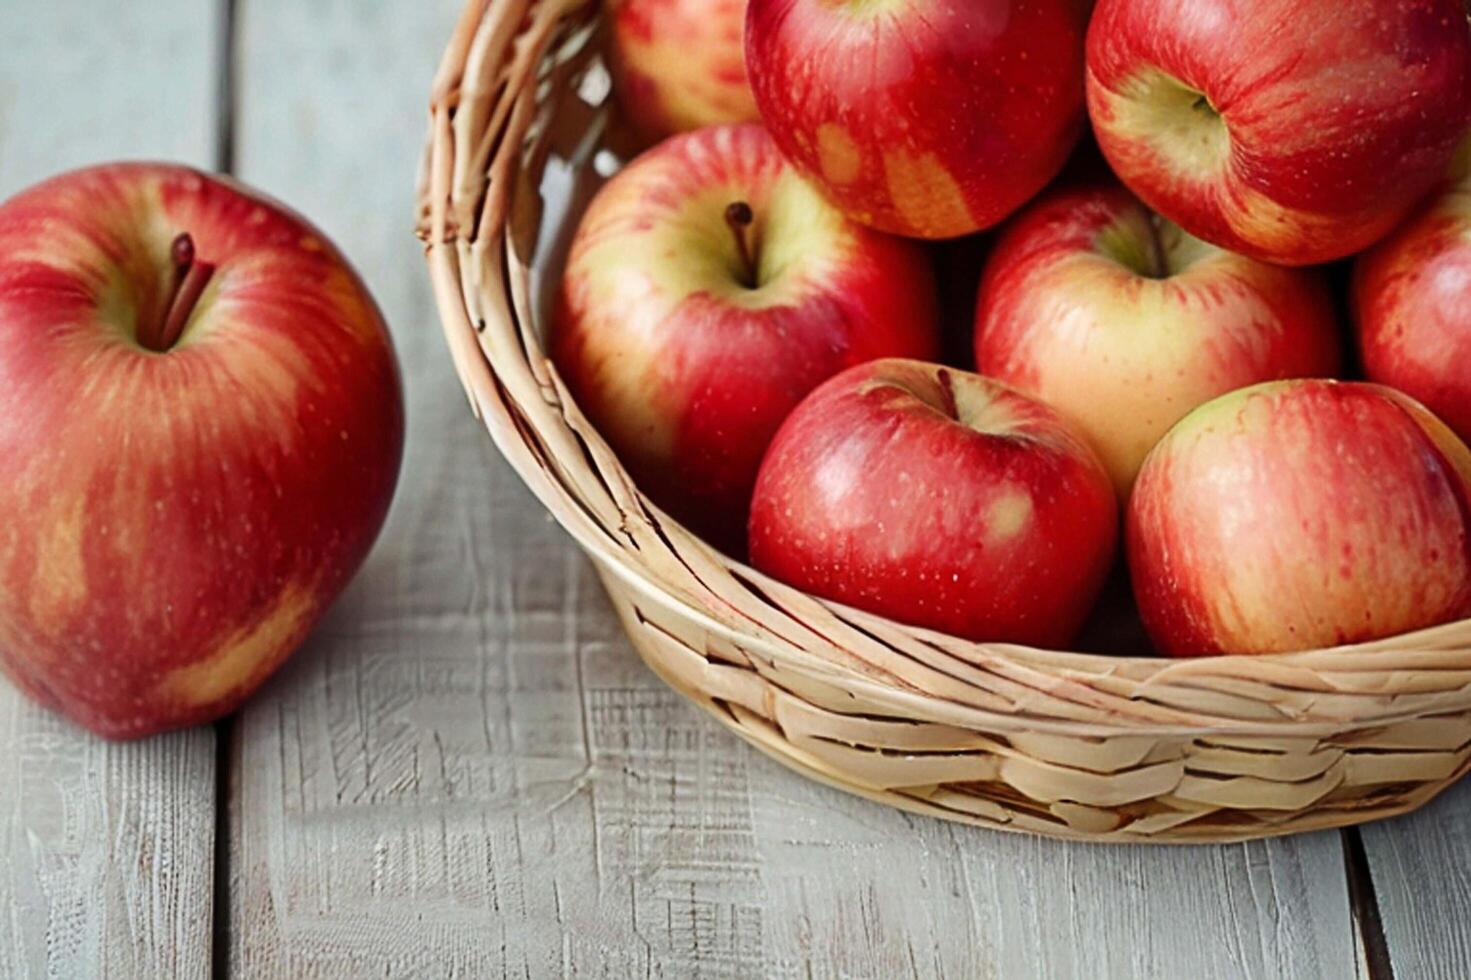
(1068, 745)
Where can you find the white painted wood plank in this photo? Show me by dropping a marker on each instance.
(106, 851)
(468, 772)
(82, 83)
(1421, 865)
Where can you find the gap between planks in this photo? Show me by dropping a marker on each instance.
(226, 96)
(1364, 906)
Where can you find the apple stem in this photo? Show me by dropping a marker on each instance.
(947, 395)
(1158, 263)
(190, 279)
(739, 217)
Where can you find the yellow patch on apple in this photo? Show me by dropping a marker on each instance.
(1007, 516)
(245, 655)
(924, 193)
(59, 586)
(837, 154)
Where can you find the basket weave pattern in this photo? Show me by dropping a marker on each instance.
(1068, 745)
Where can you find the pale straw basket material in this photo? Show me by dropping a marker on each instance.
(1064, 744)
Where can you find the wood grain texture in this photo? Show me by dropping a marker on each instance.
(1421, 865)
(468, 771)
(106, 851)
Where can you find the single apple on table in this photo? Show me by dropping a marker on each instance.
(938, 498)
(1124, 322)
(926, 118)
(1412, 308)
(678, 65)
(201, 422)
(1293, 131)
(709, 289)
(1296, 515)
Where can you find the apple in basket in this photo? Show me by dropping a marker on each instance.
(709, 288)
(680, 64)
(928, 118)
(939, 498)
(1294, 131)
(1302, 514)
(201, 424)
(1124, 322)
(1412, 308)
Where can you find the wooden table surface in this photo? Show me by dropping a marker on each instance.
(467, 771)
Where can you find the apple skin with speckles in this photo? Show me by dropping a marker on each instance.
(1292, 131)
(1411, 298)
(175, 519)
(679, 65)
(1299, 515)
(937, 498)
(688, 361)
(925, 118)
(1124, 322)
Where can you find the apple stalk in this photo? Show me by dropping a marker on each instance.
(190, 279)
(739, 217)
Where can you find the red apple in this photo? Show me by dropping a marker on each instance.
(680, 64)
(201, 422)
(1124, 322)
(939, 498)
(1295, 515)
(708, 290)
(927, 118)
(1293, 131)
(1412, 306)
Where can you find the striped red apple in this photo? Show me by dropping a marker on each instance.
(201, 424)
(1293, 131)
(926, 118)
(939, 498)
(1412, 308)
(680, 64)
(709, 289)
(1296, 515)
(1124, 322)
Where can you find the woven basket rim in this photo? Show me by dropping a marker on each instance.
(475, 189)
